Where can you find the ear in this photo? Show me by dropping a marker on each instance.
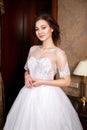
(52, 29)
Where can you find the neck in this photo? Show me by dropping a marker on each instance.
(48, 44)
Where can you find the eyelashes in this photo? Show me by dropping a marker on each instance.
(42, 28)
(36, 29)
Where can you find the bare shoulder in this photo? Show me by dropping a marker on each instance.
(60, 51)
(34, 47)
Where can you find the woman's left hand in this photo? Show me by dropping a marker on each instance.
(36, 83)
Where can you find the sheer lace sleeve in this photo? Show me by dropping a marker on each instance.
(62, 64)
(29, 54)
(26, 64)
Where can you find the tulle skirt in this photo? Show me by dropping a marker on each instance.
(42, 108)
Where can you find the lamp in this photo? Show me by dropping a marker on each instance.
(81, 70)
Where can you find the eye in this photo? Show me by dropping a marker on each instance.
(44, 27)
(36, 29)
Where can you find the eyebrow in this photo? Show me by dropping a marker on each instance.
(40, 26)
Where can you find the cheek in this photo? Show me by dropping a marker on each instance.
(36, 33)
(48, 31)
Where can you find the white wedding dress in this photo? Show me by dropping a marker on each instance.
(43, 107)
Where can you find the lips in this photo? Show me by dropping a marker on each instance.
(41, 36)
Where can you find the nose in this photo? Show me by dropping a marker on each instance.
(39, 31)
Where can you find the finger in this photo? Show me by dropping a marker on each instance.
(28, 85)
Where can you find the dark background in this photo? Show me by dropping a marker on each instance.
(16, 40)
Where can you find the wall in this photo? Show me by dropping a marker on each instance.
(72, 19)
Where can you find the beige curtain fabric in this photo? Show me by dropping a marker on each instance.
(2, 10)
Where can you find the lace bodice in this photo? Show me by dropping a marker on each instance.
(40, 68)
(44, 64)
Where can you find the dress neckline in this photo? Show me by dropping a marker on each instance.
(49, 48)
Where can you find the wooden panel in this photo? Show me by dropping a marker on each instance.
(17, 38)
(12, 44)
(55, 9)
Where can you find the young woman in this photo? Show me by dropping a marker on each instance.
(41, 104)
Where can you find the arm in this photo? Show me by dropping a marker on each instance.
(28, 79)
(62, 82)
(26, 73)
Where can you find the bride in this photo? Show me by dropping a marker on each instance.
(41, 104)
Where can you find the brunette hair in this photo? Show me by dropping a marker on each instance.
(52, 23)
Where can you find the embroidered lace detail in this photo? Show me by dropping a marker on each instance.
(40, 69)
(45, 64)
(65, 72)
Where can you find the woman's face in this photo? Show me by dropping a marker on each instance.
(43, 30)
